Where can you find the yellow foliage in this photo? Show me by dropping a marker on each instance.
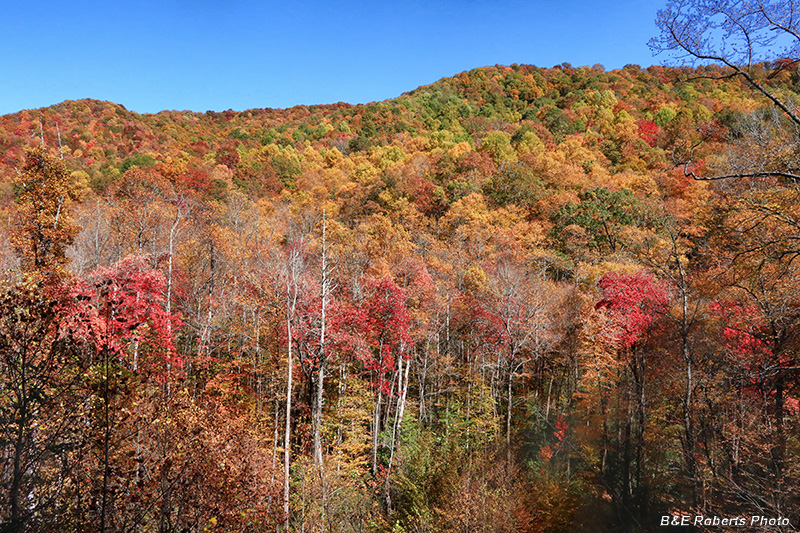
(529, 234)
(312, 158)
(460, 149)
(440, 139)
(81, 180)
(271, 150)
(332, 157)
(530, 142)
(365, 174)
(474, 279)
(590, 273)
(386, 156)
(633, 181)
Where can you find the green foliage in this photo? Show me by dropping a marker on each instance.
(136, 161)
(269, 136)
(419, 482)
(104, 177)
(687, 93)
(239, 134)
(359, 144)
(602, 99)
(287, 167)
(514, 184)
(555, 121)
(344, 127)
(301, 134)
(664, 117)
(601, 213)
(498, 145)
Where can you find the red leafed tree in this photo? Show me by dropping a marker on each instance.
(648, 131)
(748, 346)
(121, 315)
(742, 331)
(759, 357)
(634, 300)
(122, 309)
(384, 323)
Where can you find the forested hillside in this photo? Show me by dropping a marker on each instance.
(497, 303)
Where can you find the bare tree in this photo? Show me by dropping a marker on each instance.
(292, 270)
(740, 34)
(754, 40)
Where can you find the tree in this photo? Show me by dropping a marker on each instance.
(758, 42)
(122, 309)
(515, 322)
(384, 322)
(602, 213)
(124, 322)
(758, 314)
(740, 34)
(40, 408)
(41, 226)
(291, 274)
(633, 302)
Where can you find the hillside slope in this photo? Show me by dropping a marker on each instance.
(495, 303)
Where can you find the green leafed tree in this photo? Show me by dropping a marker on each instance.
(601, 214)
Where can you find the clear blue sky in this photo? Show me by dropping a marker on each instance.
(151, 55)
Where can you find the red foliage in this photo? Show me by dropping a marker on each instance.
(384, 322)
(747, 344)
(634, 300)
(546, 453)
(494, 318)
(783, 63)
(561, 428)
(201, 148)
(196, 179)
(228, 156)
(648, 131)
(121, 309)
(741, 325)
(423, 194)
(476, 162)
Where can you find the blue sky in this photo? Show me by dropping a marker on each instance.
(240, 54)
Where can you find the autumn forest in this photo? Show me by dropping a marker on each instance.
(519, 299)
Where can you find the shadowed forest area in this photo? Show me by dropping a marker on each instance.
(519, 299)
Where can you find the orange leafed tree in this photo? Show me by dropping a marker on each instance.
(41, 228)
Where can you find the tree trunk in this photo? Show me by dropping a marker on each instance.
(291, 305)
(106, 444)
(509, 401)
(375, 428)
(688, 421)
(779, 450)
(401, 406)
(15, 519)
(173, 234)
(321, 358)
(288, 431)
